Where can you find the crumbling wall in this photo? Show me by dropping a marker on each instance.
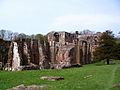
(75, 48)
(62, 50)
(72, 54)
(4, 48)
(24, 54)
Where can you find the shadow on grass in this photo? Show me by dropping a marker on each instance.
(115, 88)
(100, 64)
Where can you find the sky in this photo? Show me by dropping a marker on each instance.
(43, 16)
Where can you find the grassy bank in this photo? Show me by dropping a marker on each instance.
(102, 77)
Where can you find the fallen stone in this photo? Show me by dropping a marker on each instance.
(32, 87)
(20, 87)
(52, 78)
(88, 76)
(117, 85)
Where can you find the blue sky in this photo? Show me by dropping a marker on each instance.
(43, 16)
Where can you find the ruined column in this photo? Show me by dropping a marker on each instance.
(34, 52)
(42, 59)
(81, 53)
(84, 52)
(16, 57)
(26, 54)
(53, 52)
(88, 54)
(10, 57)
(78, 53)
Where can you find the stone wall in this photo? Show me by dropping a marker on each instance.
(22, 54)
(62, 50)
(4, 48)
(74, 48)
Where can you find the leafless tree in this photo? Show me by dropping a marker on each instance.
(2, 33)
(87, 31)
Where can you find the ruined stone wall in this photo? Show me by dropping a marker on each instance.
(24, 54)
(61, 51)
(74, 49)
(72, 54)
(61, 37)
(4, 48)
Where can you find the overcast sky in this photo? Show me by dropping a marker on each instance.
(43, 16)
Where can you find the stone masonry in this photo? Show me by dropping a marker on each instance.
(62, 50)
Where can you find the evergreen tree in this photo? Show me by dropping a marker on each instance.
(106, 45)
(116, 51)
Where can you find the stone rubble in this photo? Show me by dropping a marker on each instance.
(51, 78)
(32, 87)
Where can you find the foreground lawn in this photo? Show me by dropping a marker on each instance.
(102, 77)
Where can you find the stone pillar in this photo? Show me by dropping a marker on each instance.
(84, 52)
(16, 57)
(34, 52)
(53, 54)
(26, 55)
(88, 54)
(77, 53)
(81, 53)
(10, 55)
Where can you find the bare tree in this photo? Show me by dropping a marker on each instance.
(21, 36)
(32, 36)
(87, 31)
(2, 33)
(15, 35)
(9, 35)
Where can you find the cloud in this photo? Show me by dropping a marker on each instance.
(94, 22)
(97, 19)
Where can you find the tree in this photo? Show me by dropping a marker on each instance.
(0, 37)
(9, 35)
(32, 36)
(39, 37)
(106, 45)
(87, 31)
(15, 35)
(2, 33)
(116, 51)
(21, 36)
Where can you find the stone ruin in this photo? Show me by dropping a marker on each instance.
(62, 50)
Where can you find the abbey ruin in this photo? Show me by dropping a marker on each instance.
(62, 50)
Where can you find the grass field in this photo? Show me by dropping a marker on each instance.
(103, 77)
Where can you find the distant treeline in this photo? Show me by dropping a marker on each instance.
(9, 35)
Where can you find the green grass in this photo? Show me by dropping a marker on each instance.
(104, 77)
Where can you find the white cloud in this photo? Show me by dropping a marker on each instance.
(85, 20)
(94, 22)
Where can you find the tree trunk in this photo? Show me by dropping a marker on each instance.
(107, 61)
